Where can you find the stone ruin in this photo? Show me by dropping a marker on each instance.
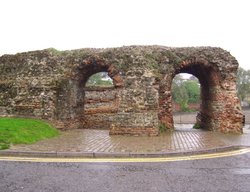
(50, 84)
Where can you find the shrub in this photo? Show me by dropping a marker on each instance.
(162, 128)
(196, 126)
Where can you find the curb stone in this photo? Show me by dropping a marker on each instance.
(118, 154)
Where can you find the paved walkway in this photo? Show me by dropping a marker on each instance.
(99, 143)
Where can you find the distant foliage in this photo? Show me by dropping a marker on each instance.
(99, 79)
(193, 90)
(185, 91)
(243, 83)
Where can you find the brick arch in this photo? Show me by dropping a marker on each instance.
(210, 78)
(206, 72)
(71, 96)
(218, 97)
(82, 72)
(93, 65)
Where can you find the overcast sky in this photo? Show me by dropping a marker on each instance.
(71, 24)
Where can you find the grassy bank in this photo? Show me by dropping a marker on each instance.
(24, 131)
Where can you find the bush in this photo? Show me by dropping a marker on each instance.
(196, 126)
(162, 128)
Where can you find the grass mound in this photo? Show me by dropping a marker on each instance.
(24, 131)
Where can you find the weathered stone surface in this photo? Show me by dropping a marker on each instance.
(50, 84)
(100, 107)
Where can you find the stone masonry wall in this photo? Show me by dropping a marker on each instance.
(50, 84)
(101, 107)
(138, 105)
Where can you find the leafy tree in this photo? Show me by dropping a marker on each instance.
(185, 91)
(243, 83)
(193, 90)
(99, 79)
(179, 93)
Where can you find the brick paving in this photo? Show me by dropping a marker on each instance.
(99, 141)
(183, 139)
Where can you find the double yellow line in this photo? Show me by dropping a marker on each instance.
(126, 160)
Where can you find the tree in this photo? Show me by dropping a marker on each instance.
(179, 93)
(185, 91)
(193, 90)
(243, 83)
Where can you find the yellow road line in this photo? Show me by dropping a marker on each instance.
(126, 160)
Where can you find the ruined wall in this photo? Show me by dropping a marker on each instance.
(138, 107)
(28, 84)
(50, 84)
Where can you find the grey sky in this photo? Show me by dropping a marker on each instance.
(72, 24)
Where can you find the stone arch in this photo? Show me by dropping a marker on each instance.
(73, 93)
(209, 77)
(214, 108)
(103, 115)
(92, 66)
(101, 105)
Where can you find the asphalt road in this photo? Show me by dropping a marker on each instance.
(219, 174)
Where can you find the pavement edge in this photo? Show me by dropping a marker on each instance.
(55, 154)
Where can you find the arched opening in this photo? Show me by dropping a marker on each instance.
(210, 91)
(99, 80)
(185, 91)
(101, 101)
(210, 95)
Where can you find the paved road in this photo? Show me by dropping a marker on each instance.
(190, 117)
(219, 174)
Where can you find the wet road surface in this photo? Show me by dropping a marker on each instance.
(219, 174)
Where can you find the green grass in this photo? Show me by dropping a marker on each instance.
(24, 131)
